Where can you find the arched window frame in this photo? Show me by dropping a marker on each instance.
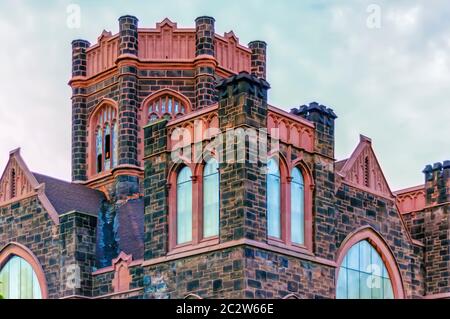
(198, 240)
(286, 168)
(144, 114)
(19, 250)
(94, 126)
(378, 243)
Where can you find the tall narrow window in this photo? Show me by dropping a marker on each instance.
(211, 199)
(184, 206)
(273, 199)
(18, 280)
(107, 147)
(366, 172)
(105, 139)
(13, 183)
(99, 150)
(297, 207)
(363, 274)
(115, 144)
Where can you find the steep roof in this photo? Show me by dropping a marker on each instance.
(131, 228)
(67, 197)
(56, 196)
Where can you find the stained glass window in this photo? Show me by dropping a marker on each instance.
(115, 144)
(19, 281)
(107, 147)
(99, 149)
(363, 275)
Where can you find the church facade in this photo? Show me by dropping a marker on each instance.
(187, 183)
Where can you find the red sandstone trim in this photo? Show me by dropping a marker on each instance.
(236, 243)
(409, 189)
(445, 295)
(193, 115)
(108, 269)
(368, 233)
(104, 296)
(16, 249)
(290, 116)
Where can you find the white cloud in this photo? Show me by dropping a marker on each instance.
(391, 84)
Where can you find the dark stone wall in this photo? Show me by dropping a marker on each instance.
(356, 209)
(79, 112)
(102, 283)
(78, 243)
(217, 275)
(28, 223)
(156, 218)
(258, 60)
(272, 275)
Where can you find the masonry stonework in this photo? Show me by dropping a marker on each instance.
(111, 232)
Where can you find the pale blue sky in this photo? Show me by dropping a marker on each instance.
(391, 84)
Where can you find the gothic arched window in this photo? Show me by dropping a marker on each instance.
(184, 206)
(211, 199)
(18, 280)
(273, 199)
(297, 207)
(166, 105)
(104, 121)
(363, 274)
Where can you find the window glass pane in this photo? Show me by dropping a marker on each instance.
(26, 280)
(377, 287)
(184, 206)
(14, 278)
(353, 257)
(4, 281)
(18, 280)
(297, 207)
(387, 289)
(115, 146)
(365, 286)
(273, 200)
(341, 289)
(377, 263)
(365, 273)
(211, 199)
(353, 284)
(365, 250)
(36, 288)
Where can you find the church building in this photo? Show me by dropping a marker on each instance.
(188, 183)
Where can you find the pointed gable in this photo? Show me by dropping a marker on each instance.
(362, 170)
(17, 182)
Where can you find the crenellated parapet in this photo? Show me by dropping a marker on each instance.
(323, 118)
(437, 179)
(167, 42)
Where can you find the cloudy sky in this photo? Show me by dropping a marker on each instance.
(383, 66)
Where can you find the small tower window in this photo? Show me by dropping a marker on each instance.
(99, 150)
(366, 172)
(13, 183)
(107, 147)
(167, 106)
(105, 139)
